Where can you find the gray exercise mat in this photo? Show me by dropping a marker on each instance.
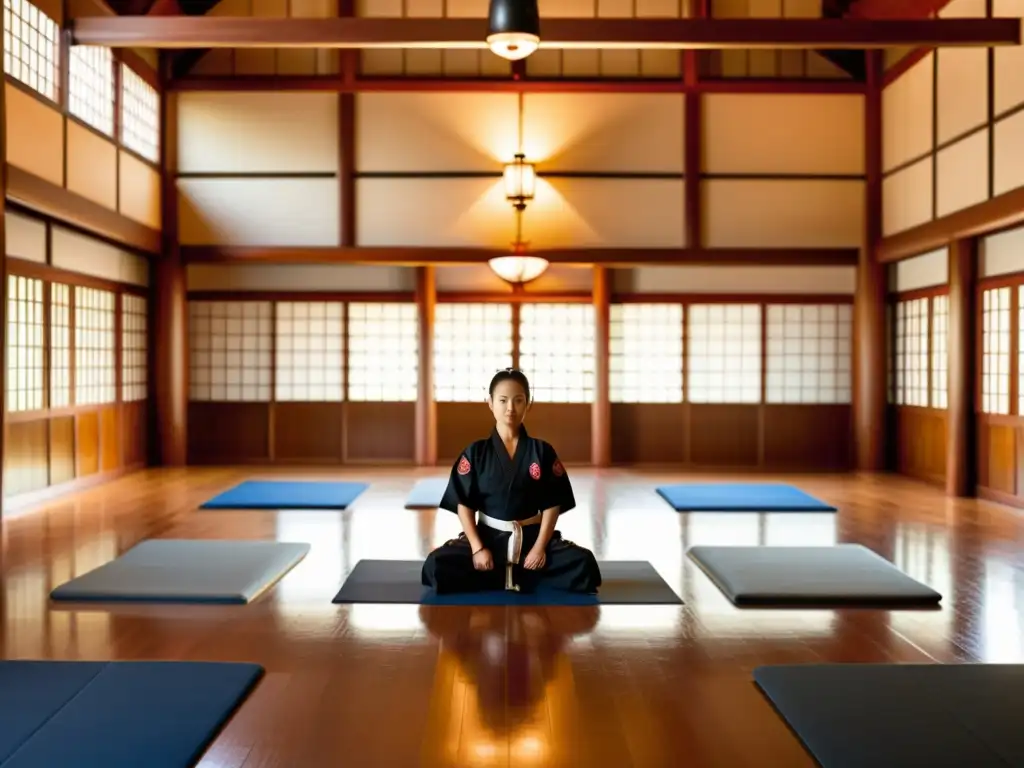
(427, 493)
(845, 574)
(186, 571)
(902, 715)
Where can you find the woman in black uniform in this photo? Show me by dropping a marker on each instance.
(519, 488)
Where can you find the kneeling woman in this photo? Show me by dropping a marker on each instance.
(519, 488)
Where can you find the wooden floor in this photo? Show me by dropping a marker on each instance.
(401, 685)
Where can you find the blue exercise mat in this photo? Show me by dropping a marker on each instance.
(740, 497)
(86, 714)
(427, 493)
(398, 581)
(291, 494)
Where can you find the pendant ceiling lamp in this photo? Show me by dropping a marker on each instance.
(513, 29)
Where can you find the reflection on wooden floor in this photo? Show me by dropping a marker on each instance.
(406, 685)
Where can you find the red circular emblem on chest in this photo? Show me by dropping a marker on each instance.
(558, 469)
(535, 471)
(464, 466)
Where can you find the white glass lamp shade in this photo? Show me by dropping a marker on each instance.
(513, 46)
(518, 269)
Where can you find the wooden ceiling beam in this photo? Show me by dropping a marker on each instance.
(364, 84)
(341, 32)
(611, 257)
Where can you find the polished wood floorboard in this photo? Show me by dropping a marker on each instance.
(404, 685)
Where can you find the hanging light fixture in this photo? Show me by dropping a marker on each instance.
(520, 181)
(513, 29)
(518, 269)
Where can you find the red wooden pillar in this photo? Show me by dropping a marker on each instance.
(601, 411)
(426, 408)
(869, 341)
(961, 424)
(169, 382)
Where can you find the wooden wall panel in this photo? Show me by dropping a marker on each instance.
(997, 455)
(258, 212)
(1008, 64)
(62, 450)
(962, 174)
(566, 426)
(426, 132)
(907, 106)
(380, 432)
(907, 197)
(35, 135)
(91, 166)
(724, 435)
(110, 443)
(258, 132)
(783, 134)
(648, 433)
(1008, 150)
(25, 457)
(139, 191)
(463, 212)
(310, 432)
(87, 443)
(808, 437)
(788, 213)
(134, 433)
(228, 433)
(921, 443)
(459, 424)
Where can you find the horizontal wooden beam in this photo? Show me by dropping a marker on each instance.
(251, 32)
(36, 194)
(335, 84)
(1000, 212)
(612, 257)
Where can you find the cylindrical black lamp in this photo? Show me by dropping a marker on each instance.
(513, 30)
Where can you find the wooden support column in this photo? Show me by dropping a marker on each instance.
(601, 411)
(869, 341)
(961, 420)
(426, 408)
(170, 307)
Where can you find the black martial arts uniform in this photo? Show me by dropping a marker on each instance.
(488, 481)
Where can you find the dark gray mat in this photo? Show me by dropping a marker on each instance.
(845, 574)
(902, 715)
(187, 571)
(398, 581)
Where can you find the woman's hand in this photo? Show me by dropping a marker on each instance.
(482, 560)
(536, 560)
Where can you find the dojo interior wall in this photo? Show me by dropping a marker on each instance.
(953, 139)
(260, 170)
(83, 215)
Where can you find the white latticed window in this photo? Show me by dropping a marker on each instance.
(724, 353)
(230, 348)
(471, 342)
(809, 353)
(556, 351)
(646, 353)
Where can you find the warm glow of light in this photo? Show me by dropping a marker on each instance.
(513, 46)
(520, 180)
(518, 269)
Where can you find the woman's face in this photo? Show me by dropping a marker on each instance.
(509, 403)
